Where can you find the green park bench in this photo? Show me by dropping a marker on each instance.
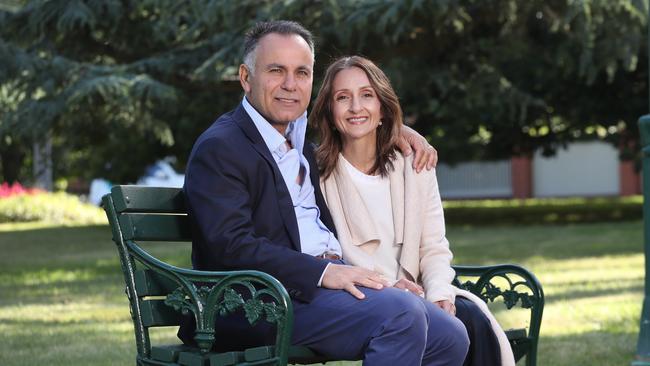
(160, 293)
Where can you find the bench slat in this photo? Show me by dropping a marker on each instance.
(226, 359)
(514, 334)
(150, 283)
(520, 347)
(155, 313)
(128, 198)
(152, 227)
(519, 342)
(168, 353)
(193, 359)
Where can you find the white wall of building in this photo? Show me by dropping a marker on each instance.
(475, 179)
(584, 169)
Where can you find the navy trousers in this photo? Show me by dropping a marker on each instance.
(484, 346)
(389, 327)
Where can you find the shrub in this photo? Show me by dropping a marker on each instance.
(543, 211)
(60, 208)
(7, 190)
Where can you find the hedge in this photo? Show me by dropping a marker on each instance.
(543, 211)
(60, 208)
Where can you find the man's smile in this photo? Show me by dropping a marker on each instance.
(287, 100)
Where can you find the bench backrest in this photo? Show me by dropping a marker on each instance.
(151, 213)
(146, 214)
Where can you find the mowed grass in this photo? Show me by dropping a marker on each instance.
(62, 296)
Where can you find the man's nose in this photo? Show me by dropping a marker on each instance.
(289, 82)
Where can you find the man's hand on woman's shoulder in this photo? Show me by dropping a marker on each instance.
(425, 154)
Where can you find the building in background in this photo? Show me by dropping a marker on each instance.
(585, 169)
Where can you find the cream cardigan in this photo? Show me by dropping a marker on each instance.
(419, 228)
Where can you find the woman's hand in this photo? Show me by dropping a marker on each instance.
(447, 306)
(409, 286)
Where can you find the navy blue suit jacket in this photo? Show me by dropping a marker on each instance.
(241, 211)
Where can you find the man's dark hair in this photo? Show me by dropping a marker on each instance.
(261, 29)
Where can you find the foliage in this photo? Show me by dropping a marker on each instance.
(59, 208)
(543, 211)
(138, 80)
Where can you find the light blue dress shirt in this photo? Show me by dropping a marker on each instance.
(315, 238)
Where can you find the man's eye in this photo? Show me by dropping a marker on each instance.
(275, 71)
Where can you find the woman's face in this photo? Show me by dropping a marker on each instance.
(355, 106)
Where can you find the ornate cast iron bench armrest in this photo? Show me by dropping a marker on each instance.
(521, 287)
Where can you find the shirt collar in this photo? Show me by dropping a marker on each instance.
(274, 139)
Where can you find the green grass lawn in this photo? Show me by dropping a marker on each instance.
(62, 297)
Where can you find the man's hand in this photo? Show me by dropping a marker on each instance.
(425, 154)
(410, 286)
(447, 306)
(343, 277)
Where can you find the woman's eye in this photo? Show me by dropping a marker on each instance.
(341, 97)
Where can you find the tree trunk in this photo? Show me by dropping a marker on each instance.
(43, 163)
(11, 160)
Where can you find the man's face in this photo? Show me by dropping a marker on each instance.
(280, 87)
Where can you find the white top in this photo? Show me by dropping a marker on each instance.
(375, 192)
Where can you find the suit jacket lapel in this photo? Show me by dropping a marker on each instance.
(325, 216)
(284, 198)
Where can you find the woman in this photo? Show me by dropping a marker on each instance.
(389, 218)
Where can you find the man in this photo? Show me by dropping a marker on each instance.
(255, 203)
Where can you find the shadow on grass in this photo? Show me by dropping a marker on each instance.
(483, 245)
(582, 294)
(589, 348)
(54, 247)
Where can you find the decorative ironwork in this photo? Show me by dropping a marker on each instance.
(179, 301)
(489, 292)
(231, 301)
(254, 308)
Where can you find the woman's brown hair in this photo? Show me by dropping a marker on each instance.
(321, 117)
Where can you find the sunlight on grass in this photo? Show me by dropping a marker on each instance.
(78, 312)
(44, 277)
(592, 276)
(23, 226)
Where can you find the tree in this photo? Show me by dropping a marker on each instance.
(120, 83)
(492, 78)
